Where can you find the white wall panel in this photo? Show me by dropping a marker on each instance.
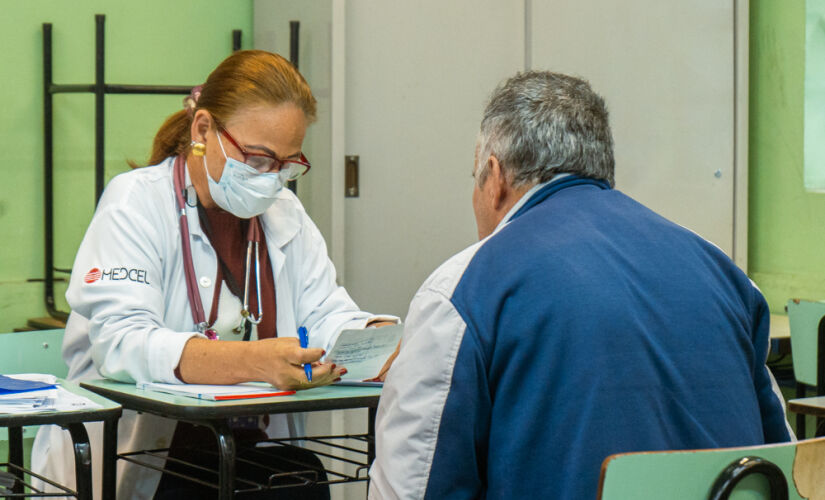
(667, 71)
(418, 76)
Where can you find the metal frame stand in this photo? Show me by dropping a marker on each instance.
(99, 88)
(294, 30)
(348, 457)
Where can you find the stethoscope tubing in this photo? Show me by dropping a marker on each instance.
(195, 304)
(253, 239)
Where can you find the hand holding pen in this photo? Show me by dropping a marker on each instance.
(277, 361)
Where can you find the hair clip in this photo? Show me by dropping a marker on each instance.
(190, 102)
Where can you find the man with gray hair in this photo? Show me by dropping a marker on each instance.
(581, 325)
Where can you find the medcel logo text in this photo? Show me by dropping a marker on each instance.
(116, 274)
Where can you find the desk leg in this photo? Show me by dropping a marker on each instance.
(16, 455)
(800, 417)
(371, 434)
(370, 443)
(109, 458)
(226, 465)
(82, 460)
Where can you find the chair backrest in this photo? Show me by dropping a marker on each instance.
(777, 471)
(32, 352)
(805, 321)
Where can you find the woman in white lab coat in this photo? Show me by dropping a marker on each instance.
(138, 315)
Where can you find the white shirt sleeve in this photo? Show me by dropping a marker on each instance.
(117, 284)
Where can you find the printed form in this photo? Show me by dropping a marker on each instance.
(364, 352)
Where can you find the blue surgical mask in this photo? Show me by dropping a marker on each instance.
(243, 191)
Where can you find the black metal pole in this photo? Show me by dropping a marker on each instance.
(16, 456)
(48, 176)
(82, 459)
(79, 88)
(294, 30)
(110, 458)
(236, 40)
(100, 89)
(115, 88)
(371, 414)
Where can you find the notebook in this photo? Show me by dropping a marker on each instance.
(247, 390)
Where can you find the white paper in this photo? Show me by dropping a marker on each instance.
(364, 352)
(44, 400)
(66, 400)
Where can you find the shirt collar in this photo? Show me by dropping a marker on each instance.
(524, 199)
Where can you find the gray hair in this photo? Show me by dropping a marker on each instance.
(539, 124)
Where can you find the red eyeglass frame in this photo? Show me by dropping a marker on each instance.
(277, 163)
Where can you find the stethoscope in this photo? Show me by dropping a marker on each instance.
(253, 242)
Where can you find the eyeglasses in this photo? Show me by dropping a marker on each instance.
(263, 163)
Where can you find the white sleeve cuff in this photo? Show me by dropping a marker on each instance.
(164, 351)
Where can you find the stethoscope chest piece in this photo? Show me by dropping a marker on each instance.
(253, 238)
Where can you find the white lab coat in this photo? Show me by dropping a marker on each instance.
(130, 311)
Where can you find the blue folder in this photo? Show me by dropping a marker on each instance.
(10, 385)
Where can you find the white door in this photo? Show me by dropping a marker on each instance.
(413, 78)
(418, 75)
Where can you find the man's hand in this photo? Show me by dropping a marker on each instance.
(377, 323)
(384, 369)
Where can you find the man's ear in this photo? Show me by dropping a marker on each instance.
(497, 184)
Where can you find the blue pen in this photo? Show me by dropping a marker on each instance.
(303, 337)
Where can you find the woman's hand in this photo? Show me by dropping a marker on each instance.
(280, 361)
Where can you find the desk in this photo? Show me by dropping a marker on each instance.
(109, 413)
(814, 405)
(216, 415)
(780, 327)
(780, 334)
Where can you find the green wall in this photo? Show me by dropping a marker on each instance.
(178, 42)
(147, 42)
(786, 223)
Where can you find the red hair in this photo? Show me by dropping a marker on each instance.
(246, 78)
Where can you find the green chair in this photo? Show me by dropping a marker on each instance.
(30, 352)
(776, 472)
(805, 318)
